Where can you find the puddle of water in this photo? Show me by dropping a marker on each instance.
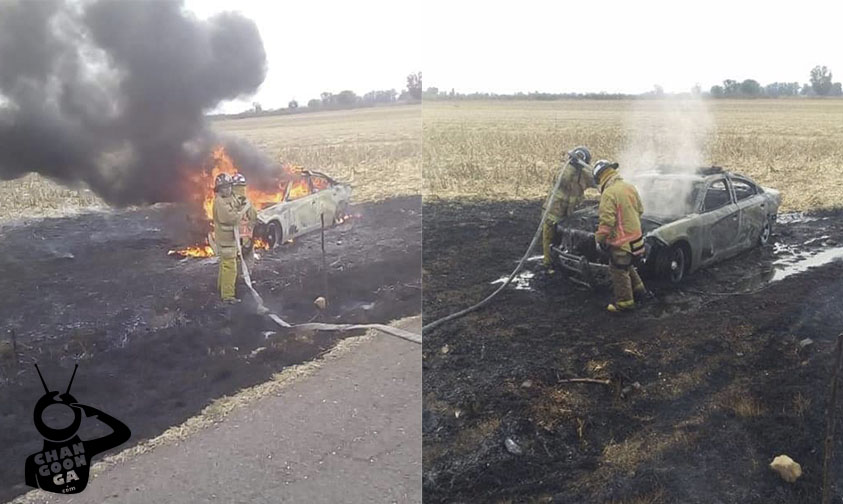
(783, 268)
(816, 240)
(520, 282)
(794, 217)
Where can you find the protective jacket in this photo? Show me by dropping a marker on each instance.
(575, 181)
(225, 218)
(250, 218)
(620, 216)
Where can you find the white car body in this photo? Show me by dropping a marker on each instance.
(295, 217)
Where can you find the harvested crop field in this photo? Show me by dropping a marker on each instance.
(704, 386)
(511, 150)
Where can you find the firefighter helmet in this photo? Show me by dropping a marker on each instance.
(581, 153)
(600, 167)
(222, 180)
(238, 179)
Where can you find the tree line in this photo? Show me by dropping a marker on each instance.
(345, 99)
(820, 84)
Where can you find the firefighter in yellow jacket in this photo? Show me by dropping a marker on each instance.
(619, 231)
(576, 178)
(245, 207)
(226, 216)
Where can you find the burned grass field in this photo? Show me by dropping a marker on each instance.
(692, 396)
(154, 345)
(707, 384)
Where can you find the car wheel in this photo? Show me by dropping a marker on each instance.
(766, 231)
(673, 263)
(274, 234)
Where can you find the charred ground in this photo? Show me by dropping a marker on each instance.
(723, 385)
(153, 344)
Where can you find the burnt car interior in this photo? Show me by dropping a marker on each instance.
(743, 188)
(716, 196)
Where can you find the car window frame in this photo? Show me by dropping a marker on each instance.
(290, 185)
(729, 191)
(745, 180)
(313, 187)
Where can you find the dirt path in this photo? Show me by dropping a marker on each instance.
(349, 432)
(154, 347)
(723, 384)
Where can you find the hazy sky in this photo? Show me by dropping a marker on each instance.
(625, 46)
(322, 45)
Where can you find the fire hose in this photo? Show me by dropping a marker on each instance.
(317, 326)
(488, 299)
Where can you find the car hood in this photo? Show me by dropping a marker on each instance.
(586, 219)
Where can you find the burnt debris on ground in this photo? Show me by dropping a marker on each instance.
(705, 387)
(153, 343)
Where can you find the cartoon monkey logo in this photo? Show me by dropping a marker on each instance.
(63, 465)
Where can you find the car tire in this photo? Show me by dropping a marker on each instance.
(274, 234)
(766, 232)
(673, 263)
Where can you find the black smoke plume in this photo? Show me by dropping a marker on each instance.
(113, 94)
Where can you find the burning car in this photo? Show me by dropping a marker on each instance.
(691, 219)
(293, 204)
(311, 201)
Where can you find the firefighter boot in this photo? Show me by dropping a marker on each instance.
(639, 290)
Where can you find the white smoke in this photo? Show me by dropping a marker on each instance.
(668, 134)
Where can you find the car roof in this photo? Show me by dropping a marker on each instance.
(702, 174)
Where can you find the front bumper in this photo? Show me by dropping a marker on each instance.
(582, 271)
(587, 265)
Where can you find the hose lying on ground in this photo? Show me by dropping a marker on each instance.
(317, 326)
(488, 299)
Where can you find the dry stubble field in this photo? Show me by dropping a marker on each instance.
(377, 150)
(511, 150)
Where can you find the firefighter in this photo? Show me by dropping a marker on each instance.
(250, 215)
(566, 198)
(619, 233)
(226, 216)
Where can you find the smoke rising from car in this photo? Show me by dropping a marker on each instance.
(668, 134)
(113, 94)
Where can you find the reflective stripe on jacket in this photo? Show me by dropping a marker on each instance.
(620, 216)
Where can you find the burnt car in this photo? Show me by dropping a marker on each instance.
(692, 218)
(309, 201)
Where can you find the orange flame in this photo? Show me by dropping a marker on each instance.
(222, 163)
(200, 251)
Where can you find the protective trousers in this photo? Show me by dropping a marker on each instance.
(561, 207)
(548, 233)
(228, 272)
(625, 279)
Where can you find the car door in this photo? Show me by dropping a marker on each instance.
(753, 212)
(310, 208)
(721, 221)
(300, 202)
(327, 202)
